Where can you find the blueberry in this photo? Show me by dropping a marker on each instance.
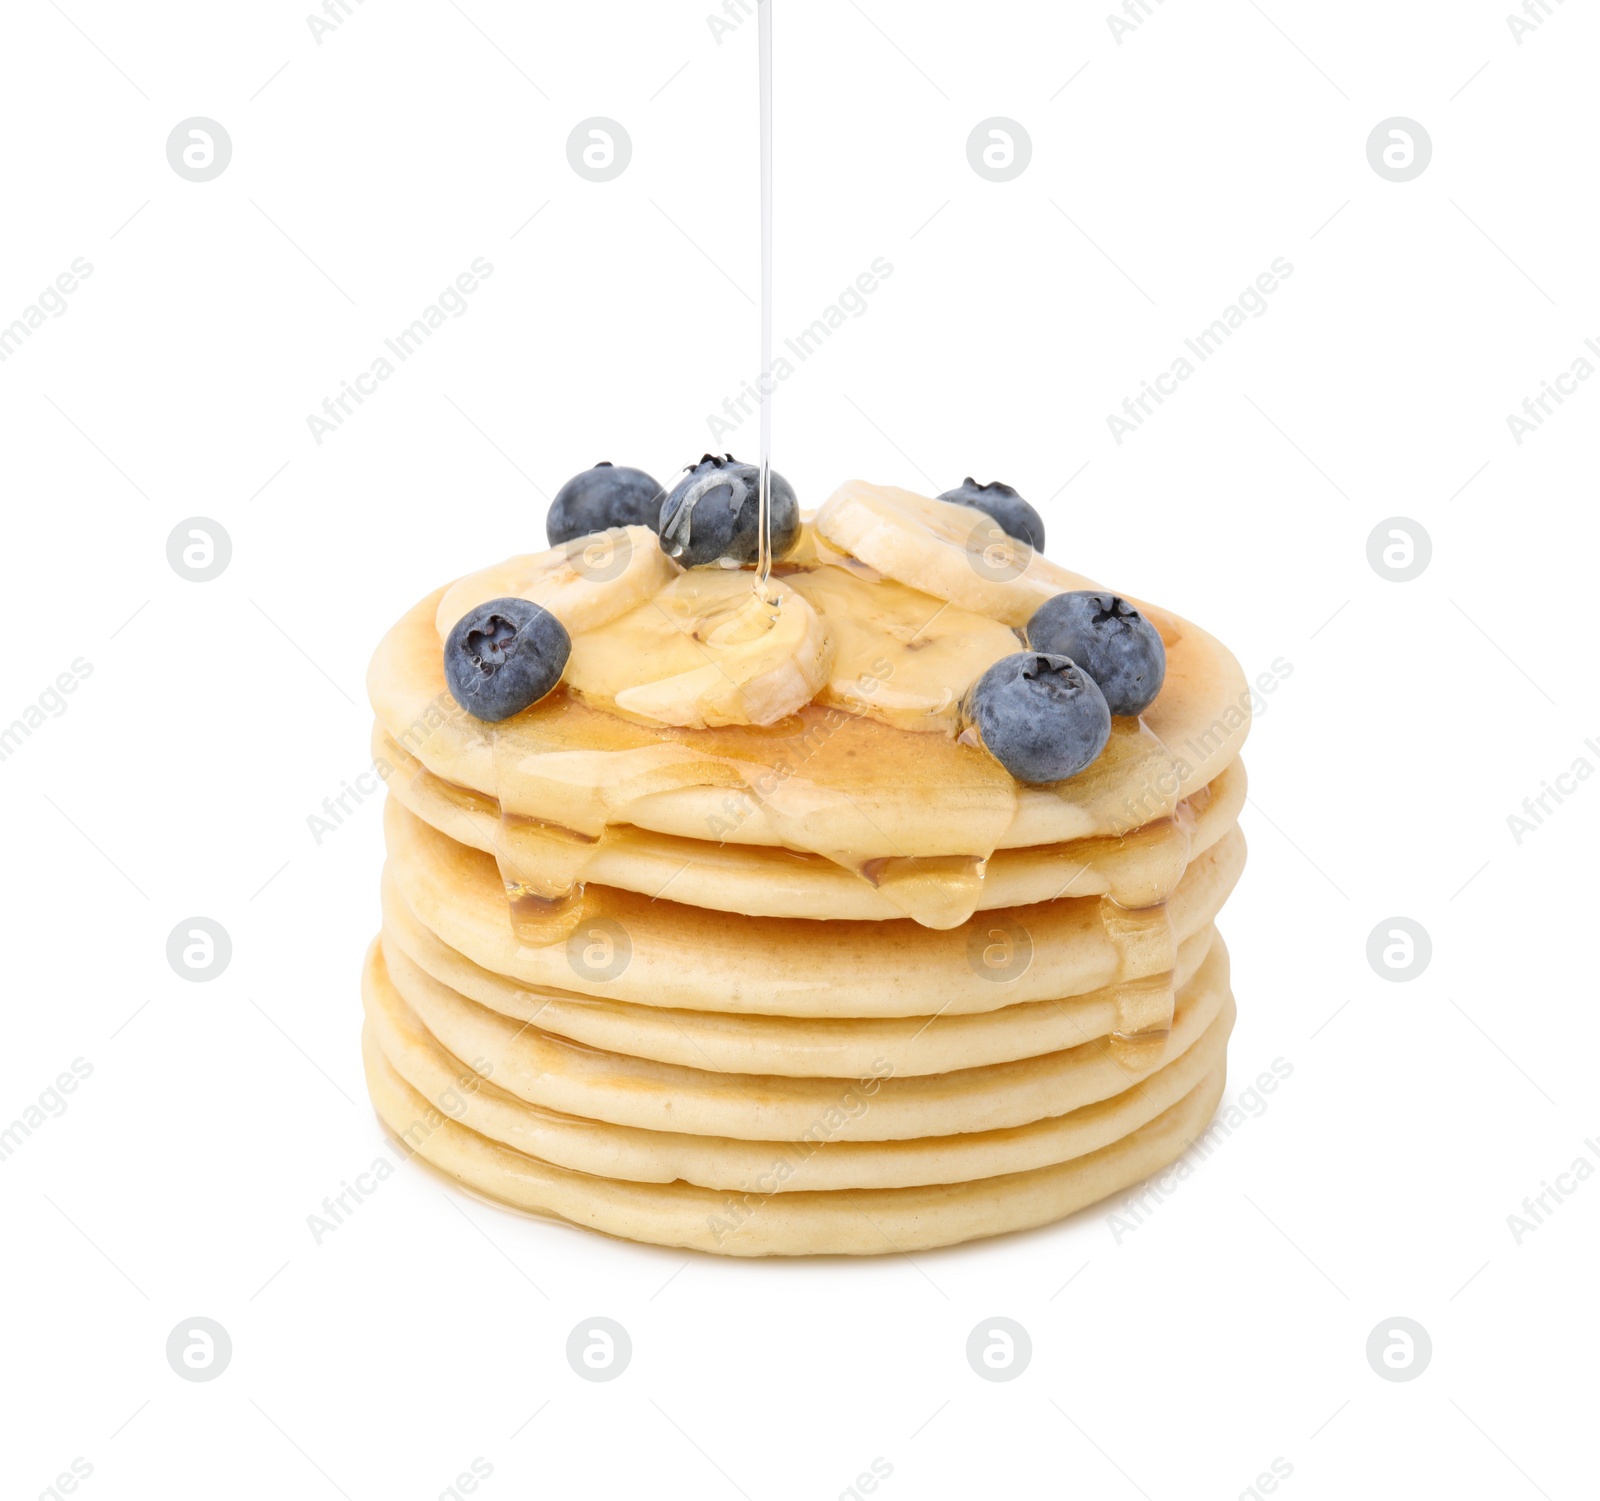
(1109, 639)
(503, 656)
(714, 514)
(603, 497)
(1016, 517)
(1040, 715)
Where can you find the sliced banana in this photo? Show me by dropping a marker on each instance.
(812, 551)
(583, 583)
(950, 551)
(705, 651)
(899, 655)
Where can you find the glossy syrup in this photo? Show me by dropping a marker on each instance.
(1147, 944)
(795, 786)
(938, 891)
(543, 864)
(764, 63)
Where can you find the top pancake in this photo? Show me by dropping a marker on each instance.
(823, 780)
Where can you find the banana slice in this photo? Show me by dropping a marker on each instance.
(583, 583)
(950, 551)
(812, 551)
(705, 651)
(899, 655)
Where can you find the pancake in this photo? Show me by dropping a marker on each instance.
(802, 1047)
(1137, 869)
(817, 1161)
(555, 1074)
(668, 954)
(822, 780)
(864, 1222)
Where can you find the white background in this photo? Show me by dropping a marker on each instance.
(1167, 172)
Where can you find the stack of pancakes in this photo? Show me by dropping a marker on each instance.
(828, 986)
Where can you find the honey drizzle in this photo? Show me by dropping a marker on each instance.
(544, 863)
(543, 866)
(1145, 940)
(1147, 951)
(937, 891)
(764, 63)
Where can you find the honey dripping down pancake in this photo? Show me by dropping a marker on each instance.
(915, 806)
